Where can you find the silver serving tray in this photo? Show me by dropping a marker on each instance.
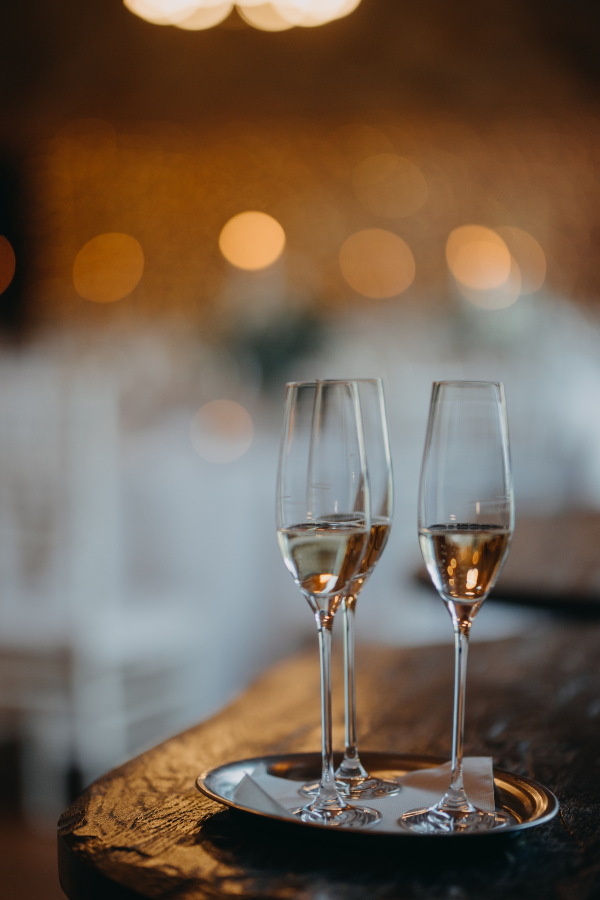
(528, 802)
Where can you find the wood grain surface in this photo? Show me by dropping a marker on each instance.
(533, 703)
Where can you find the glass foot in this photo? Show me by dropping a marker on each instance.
(312, 788)
(437, 821)
(345, 817)
(362, 788)
(356, 788)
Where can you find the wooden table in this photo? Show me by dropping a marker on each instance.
(533, 703)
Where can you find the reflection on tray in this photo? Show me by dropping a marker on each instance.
(554, 562)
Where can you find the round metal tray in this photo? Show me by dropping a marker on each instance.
(527, 802)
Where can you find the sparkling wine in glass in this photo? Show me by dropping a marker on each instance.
(466, 520)
(323, 523)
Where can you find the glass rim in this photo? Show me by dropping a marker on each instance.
(317, 381)
(350, 380)
(467, 383)
(291, 384)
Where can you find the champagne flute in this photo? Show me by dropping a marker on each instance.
(466, 520)
(351, 776)
(351, 773)
(323, 519)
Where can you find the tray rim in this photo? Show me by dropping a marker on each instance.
(427, 761)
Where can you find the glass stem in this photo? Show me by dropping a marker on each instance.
(349, 679)
(461, 647)
(455, 799)
(351, 770)
(328, 797)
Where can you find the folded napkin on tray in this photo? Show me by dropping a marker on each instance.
(422, 788)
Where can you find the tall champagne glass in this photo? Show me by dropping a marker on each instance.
(466, 518)
(351, 776)
(323, 520)
(351, 773)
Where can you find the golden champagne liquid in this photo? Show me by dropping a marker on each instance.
(323, 556)
(380, 529)
(464, 560)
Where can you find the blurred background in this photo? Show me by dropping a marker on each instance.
(200, 202)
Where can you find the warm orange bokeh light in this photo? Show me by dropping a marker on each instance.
(377, 263)
(205, 17)
(108, 267)
(310, 13)
(482, 265)
(278, 15)
(389, 186)
(264, 17)
(162, 12)
(496, 298)
(8, 263)
(252, 240)
(221, 431)
(529, 256)
(478, 257)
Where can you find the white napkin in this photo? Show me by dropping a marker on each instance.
(422, 788)
(249, 793)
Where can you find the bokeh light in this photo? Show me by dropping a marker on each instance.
(252, 240)
(377, 263)
(499, 297)
(529, 256)
(176, 186)
(478, 257)
(108, 267)
(8, 263)
(205, 17)
(389, 186)
(221, 431)
(311, 13)
(162, 12)
(265, 17)
(278, 15)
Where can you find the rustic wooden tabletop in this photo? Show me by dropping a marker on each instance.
(533, 703)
